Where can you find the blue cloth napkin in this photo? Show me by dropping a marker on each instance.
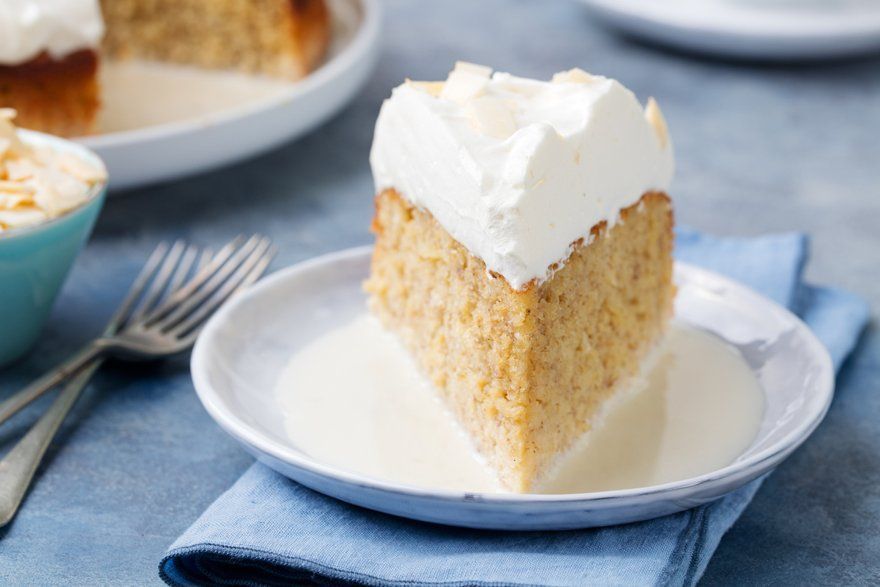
(267, 529)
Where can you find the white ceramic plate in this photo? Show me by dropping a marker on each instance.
(752, 29)
(170, 150)
(239, 356)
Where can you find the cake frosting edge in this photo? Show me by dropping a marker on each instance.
(29, 28)
(519, 170)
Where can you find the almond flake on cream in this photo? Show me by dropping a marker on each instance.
(465, 82)
(491, 116)
(573, 76)
(657, 120)
(11, 201)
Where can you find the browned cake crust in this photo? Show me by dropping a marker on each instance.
(524, 371)
(311, 31)
(55, 96)
(281, 38)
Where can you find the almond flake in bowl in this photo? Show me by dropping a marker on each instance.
(39, 183)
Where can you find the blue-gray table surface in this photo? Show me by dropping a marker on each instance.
(760, 148)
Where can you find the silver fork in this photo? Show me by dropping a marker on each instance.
(160, 328)
(166, 321)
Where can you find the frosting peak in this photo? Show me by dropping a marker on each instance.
(517, 169)
(58, 27)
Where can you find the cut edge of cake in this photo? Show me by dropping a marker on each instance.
(523, 251)
(496, 354)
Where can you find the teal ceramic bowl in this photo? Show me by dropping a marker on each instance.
(35, 260)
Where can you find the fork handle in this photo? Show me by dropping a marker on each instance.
(51, 379)
(18, 466)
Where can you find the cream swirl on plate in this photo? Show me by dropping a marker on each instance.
(38, 183)
(518, 169)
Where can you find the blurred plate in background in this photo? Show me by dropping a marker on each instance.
(750, 29)
(163, 121)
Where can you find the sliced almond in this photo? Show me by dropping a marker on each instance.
(20, 169)
(80, 169)
(573, 76)
(655, 117)
(432, 88)
(481, 70)
(491, 116)
(11, 200)
(462, 85)
(15, 187)
(22, 217)
(8, 133)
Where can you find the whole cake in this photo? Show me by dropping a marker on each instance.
(523, 251)
(50, 49)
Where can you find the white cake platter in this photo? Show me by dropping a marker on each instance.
(750, 29)
(240, 355)
(163, 122)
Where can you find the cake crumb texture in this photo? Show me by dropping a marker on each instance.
(524, 371)
(280, 38)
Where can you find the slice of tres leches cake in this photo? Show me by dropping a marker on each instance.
(523, 251)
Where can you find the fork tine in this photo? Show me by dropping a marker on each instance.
(189, 329)
(174, 313)
(159, 282)
(196, 312)
(199, 279)
(137, 287)
(183, 268)
(24, 397)
(204, 259)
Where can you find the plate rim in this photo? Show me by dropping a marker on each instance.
(254, 439)
(812, 26)
(740, 35)
(361, 42)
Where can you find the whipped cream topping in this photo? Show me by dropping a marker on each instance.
(517, 170)
(58, 27)
(37, 182)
